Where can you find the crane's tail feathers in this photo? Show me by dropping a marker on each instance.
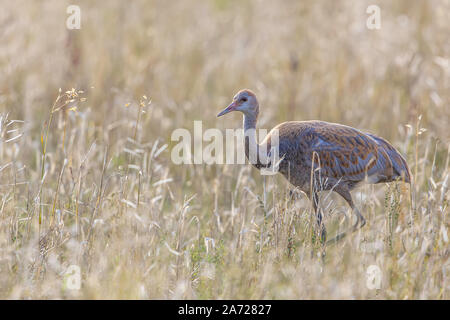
(400, 167)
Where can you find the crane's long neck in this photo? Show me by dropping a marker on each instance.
(253, 151)
(249, 122)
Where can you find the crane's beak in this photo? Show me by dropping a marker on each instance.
(230, 108)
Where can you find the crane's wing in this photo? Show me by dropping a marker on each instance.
(349, 154)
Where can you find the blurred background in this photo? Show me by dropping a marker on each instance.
(147, 68)
(305, 60)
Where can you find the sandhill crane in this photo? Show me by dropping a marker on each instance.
(336, 157)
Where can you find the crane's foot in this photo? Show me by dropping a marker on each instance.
(322, 230)
(323, 235)
(339, 237)
(360, 222)
(294, 194)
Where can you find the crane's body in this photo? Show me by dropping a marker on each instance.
(342, 156)
(318, 155)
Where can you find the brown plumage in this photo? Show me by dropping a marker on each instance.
(317, 155)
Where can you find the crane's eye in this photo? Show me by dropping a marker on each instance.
(244, 99)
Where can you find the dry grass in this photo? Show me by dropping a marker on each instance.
(95, 186)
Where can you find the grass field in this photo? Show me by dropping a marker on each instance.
(91, 186)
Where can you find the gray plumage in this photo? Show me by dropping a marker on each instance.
(318, 156)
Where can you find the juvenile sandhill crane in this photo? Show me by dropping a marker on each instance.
(336, 157)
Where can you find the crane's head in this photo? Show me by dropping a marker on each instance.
(245, 102)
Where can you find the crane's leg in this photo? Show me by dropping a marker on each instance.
(318, 212)
(360, 221)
